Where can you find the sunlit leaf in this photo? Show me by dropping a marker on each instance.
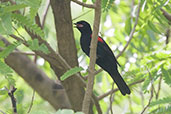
(128, 26)
(153, 27)
(71, 72)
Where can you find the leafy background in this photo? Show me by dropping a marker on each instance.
(147, 57)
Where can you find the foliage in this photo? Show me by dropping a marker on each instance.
(34, 45)
(161, 101)
(71, 72)
(147, 57)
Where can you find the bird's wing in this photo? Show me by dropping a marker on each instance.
(104, 50)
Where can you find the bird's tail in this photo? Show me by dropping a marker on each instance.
(124, 89)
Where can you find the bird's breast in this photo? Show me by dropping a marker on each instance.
(85, 44)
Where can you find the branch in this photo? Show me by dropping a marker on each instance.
(111, 99)
(2, 112)
(37, 79)
(96, 102)
(166, 14)
(81, 15)
(13, 100)
(45, 12)
(151, 96)
(46, 88)
(132, 31)
(31, 104)
(93, 46)
(115, 90)
(167, 34)
(159, 87)
(67, 66)
(84, 4)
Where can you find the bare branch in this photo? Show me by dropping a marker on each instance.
(93, 46)
(167, 34)
(24, 53)
(37, 79)
(113, 91)
(84, 4)
(111, 98)
(81, 15)
(151, 96)
(13, 100)
(159, 87)
(96, 102)
(45, 12)
(2, 112)
(166, 14)
(31, 104)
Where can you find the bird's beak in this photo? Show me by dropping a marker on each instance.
(75, 25)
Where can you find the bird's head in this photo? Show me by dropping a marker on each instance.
(83, 27)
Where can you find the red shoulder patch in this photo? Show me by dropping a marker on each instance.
(99, 39)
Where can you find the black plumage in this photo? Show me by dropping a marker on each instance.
(105, 57)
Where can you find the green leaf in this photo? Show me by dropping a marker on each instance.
(3, 91)
(153, 27)
(161, 101)
(162, 110)
(71, 72)
(5, 24)
(12, 8)
(128, 26)
(9, 49)
(25, 22)
(2, 44)
(167, 76)
(44, 49)
(4, 69)
(84, 1)
(34, 45)
(32, 3)
(106, 4)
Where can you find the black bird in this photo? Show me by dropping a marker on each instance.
(105, 57)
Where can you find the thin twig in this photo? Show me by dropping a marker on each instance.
(13, 100)
(24, 53)
(19, 33)
(93, 46)
(2, 112)
(166, 14)
(142, 98)
(132, 7)
(45, 12)
(167, 34)
(159, 87)
(130, 105)
(82, 15)
(84, 4)
(132, 31)
(32, 100)
(111, 99)
(113, 91)
(96, 102)
(31, 104)
(152, 90)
